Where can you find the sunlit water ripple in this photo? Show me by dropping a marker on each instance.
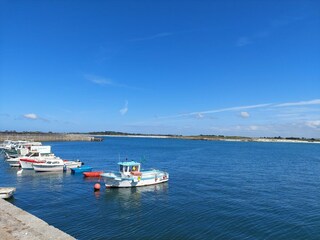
(217, 190)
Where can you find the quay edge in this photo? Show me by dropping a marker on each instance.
(16, 223)
(48, 137)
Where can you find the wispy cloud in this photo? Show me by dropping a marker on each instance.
(199, 116)
(269, 30)
(151, 37)
(164, 35)
(247, 40)
(299, 118)
(313, 124)
(240, 128)
(98, 80)
(102, 81)
(125, 109)
(301, 103)
(32, 116)
(244, 114)
(267, 130)
(218, 110)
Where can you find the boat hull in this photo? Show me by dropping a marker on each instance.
(146, 179)
(81, 169)
(48, 167)
(92, 174)
(28, 163)
(128, 184)
(6, 192)
(14, 162)
(72, 164)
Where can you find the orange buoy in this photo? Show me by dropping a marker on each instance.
(97, 187)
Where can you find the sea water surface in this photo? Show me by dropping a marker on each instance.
(217, 190)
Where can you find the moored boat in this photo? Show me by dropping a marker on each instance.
(37, 154)
(130, 175)
(55, 165)
(6, 144)
(13, 161)
(27, 163)
(92, 174)
(81, 169)
(6, 192)
(72, 164)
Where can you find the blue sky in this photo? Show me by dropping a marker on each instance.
(249, 68)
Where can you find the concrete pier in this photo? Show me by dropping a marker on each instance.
(45, 137)
(18, 224)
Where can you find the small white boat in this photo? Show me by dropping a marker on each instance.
(72, 164)
(13, 161)
(54, 165)
(130, 175)
(37, 154)
(25, 151)
(6, 192)
(6, 144)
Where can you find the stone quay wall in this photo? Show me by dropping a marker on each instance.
(46, 137)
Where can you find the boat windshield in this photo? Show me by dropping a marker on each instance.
(32, 154)
(125, 168)
(129, 166)
(134, 168)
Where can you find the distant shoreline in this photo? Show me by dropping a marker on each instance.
(226, 139)
(43, 137)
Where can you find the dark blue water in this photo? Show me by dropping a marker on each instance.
(217, 190)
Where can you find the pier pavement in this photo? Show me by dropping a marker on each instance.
(16, 223)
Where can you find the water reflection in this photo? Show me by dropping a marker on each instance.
(132, 197)
(93, 179)
(50, 180)
(97, 194)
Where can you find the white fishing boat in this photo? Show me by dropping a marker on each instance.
(54, 165)
(6, 144)
(20, 152)
(6, 192)
(131, 175)
(12, 145)
(72, 164)
(13, 161)
(37, 154)
(8, 155)
(27, 163)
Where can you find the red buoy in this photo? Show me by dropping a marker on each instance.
(97, 187)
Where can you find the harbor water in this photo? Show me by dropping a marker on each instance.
(217, 190)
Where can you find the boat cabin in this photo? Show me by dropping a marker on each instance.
(128, 168)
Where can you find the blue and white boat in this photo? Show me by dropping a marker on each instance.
(81, 169)
(130, 175)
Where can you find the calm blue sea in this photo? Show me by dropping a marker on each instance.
(217, 190)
